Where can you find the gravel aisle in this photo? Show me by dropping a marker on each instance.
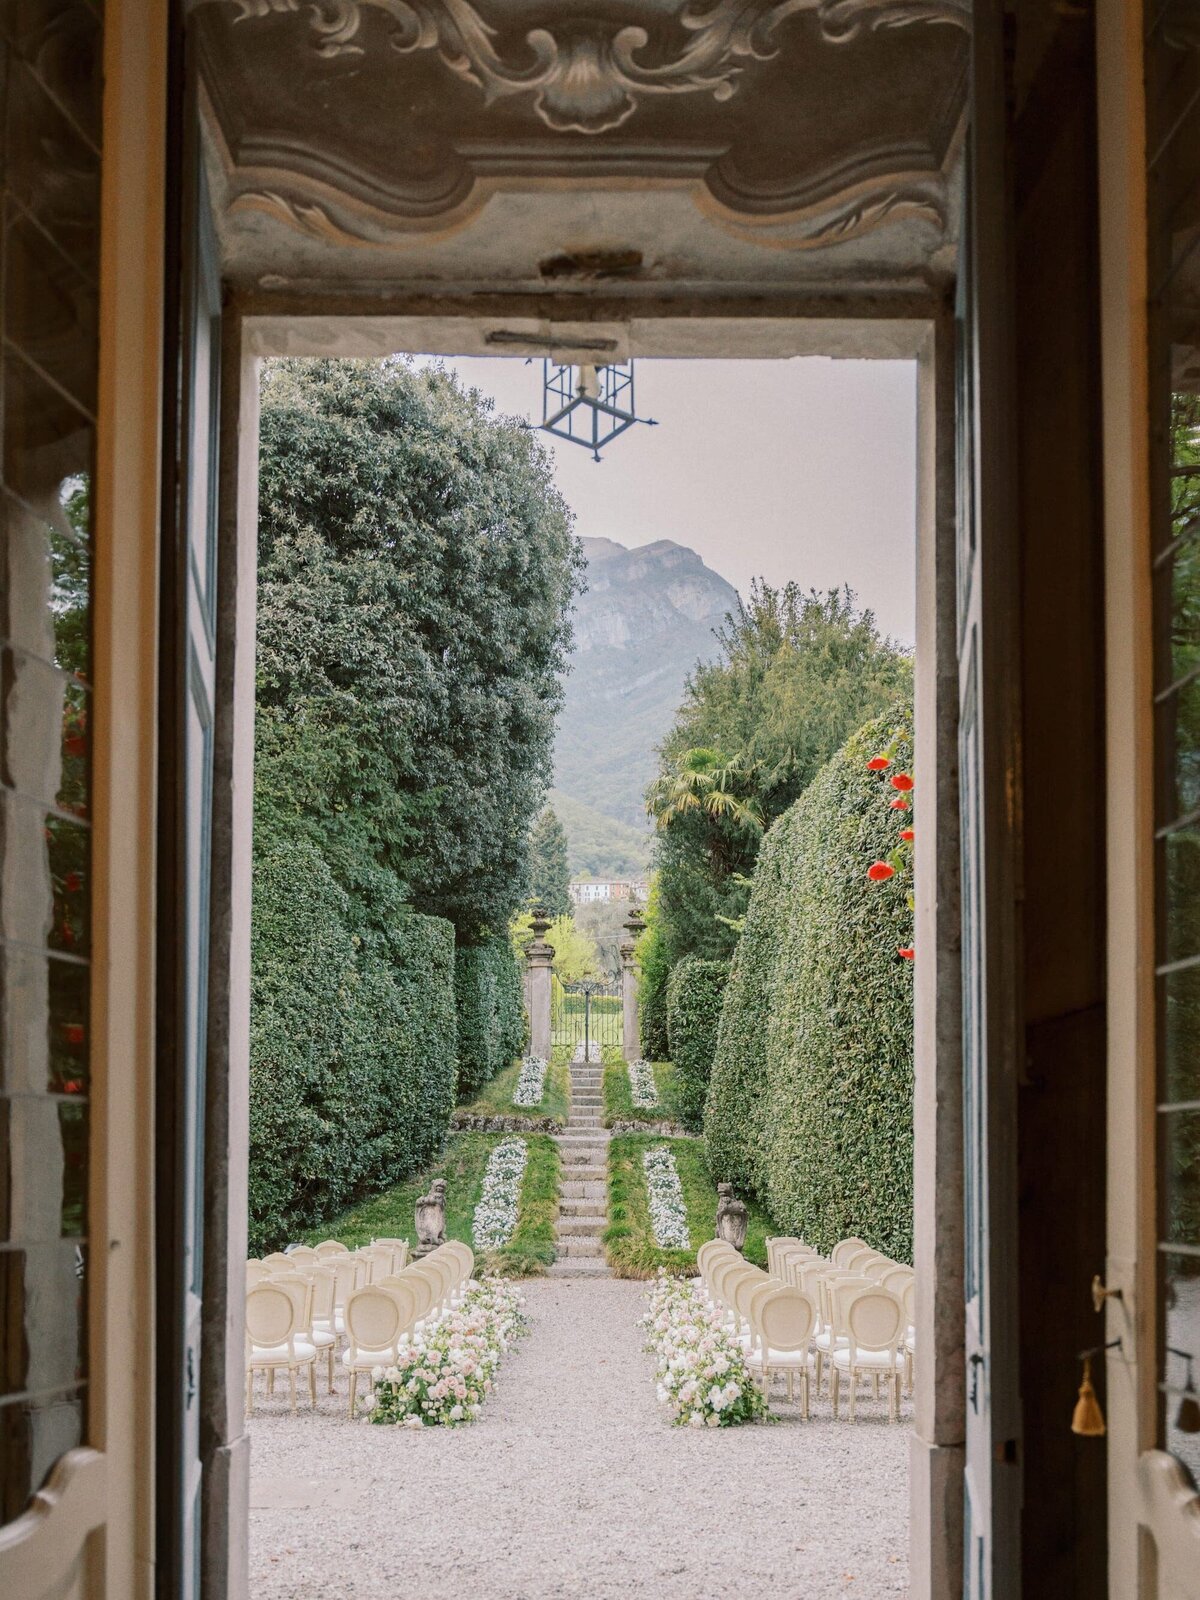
(572, 1483)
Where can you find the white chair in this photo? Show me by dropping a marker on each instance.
(835, 1290)
(783, 1320)
(301, 1255)
(273, 1340)
(332, 1247)
(277, 1261)
(324, 1315)
(842, 1251)
(875, 1330)
(376, 1327)
(774, 1246)
(256, 1271)
(399, 1249)
(376, 1260)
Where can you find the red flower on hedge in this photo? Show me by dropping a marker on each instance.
(902, 781)
(878, 764)
(880, 872)
(73, 1032)
(908, 835)
(907, 951)
(899, 804)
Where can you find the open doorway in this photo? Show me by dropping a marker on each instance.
(620, 1149)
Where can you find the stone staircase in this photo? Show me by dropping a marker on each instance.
(583, 1198)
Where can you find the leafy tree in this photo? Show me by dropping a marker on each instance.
(797, 673)
(575, 952)
(549, 874)
(655, 971)
(417, 568)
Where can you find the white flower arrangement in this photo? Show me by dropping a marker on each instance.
(643, 1089)
(531, 1082)
(701, 1372)
(443, 1377)
(496, 1214)
(668, 1214)
(593, 1053)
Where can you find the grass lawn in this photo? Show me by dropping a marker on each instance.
(390, 1215)
(629, 1238)
(495, 1098)
(618, 1094)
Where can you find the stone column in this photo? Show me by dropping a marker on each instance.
(538, 956)
(629, 986)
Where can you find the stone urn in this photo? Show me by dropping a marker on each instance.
(430, 1217)
(732, 1216)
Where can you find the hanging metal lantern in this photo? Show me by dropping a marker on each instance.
(589, 405)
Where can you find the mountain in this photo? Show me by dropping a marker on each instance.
(600, 846)
(646, 618)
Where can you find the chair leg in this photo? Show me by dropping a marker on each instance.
(312, 1382)
(896, 1398)
(875, 1381)
(806, 1399)
(820, 1359)
(853, 1376)
(791, 1377)
(292, 1383)
(249, 1391)
(835, 1389)
(270, 1380)
(329, 1356)
(353, 1391)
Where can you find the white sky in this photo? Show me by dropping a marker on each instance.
(800, 468)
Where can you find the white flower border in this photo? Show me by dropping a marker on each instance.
(531, 1082)
(496, 1214)
(668, 1214)
(643, 1089)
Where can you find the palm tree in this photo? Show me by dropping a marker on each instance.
(702, 781)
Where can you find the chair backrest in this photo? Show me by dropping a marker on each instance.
(405, 1291)
(442, 1266)
(874, 1320)
(332, 1247)
(429, 1288)
(270, 1316)
(774, 1246)
(789, 1261)
(745, 1287)
(377, 1260)
(721, 1267)
(908, 1299)
(845, 1249)
(895, 1278)
(373, 1319)
(464, 1256)
(324, 1293)
(710, 1253)
(256, 1271)
(301, 1255)
(857, 1260)
(876, 1266)
(785, 1319)
(840, 1290)
(299, 1286)
(349, 1273)
(277, 1261)
(738, 1278)
(399, 1249)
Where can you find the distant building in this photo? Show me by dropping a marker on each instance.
(593, 891)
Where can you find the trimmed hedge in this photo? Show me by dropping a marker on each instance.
(655, 967)
(491, 1017)
(810, 1099)
(694, 997)
(352, 1046)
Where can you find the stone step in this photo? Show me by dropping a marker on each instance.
(580, 1267)
(586, 1097)
(588, 1227)
(577, 1245)
(578, 1206)
(584, 1189)
(587, 1169)
(588, 1134)
(590, 1148)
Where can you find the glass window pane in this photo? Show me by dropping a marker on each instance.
(1180, 890)
(1179, 752)
(42, 143)
(1179, 602)
(1179, 1177)
(1180, 1289)
(45, 572)
(50, 308)
(34, 1433)
(43, 1331)
(1179, 1021)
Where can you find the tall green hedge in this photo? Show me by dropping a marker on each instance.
(694, 996)
(491, 1017)
(655, 966)
(810, 1100)
(352, 1055)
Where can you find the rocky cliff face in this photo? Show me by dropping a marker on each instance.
(647, 617)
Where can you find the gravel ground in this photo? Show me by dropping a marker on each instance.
(572, 1483)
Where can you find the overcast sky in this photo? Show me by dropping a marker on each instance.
(799, 468)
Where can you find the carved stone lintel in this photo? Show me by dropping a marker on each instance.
(587, 74)
(430, 1219)
(732, 1217)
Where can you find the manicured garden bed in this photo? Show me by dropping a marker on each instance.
(463, 1164)
(618, 1094)
(495, 1098)
(629, 1239)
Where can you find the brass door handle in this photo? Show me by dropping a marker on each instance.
(1100, 1293)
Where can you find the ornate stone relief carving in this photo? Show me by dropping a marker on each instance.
(587, 75)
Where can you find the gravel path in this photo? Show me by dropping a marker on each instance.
(572, 1483)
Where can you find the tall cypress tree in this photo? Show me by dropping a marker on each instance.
(549, 871)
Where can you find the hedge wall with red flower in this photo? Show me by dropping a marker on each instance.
(810, 1100)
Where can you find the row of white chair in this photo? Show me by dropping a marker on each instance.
(844, 1323)
(293, 1315)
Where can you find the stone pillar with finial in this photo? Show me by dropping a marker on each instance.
(629, 985)
(538, 956)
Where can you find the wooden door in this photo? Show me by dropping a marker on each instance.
(987, 722)
(189, 660)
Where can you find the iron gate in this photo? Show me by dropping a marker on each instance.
(586, 1017)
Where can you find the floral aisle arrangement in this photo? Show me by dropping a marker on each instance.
(668, 1214)
(496, 1213)
(444, 1376)
(531, 1083)
(701, 1371)
(643, 1089)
